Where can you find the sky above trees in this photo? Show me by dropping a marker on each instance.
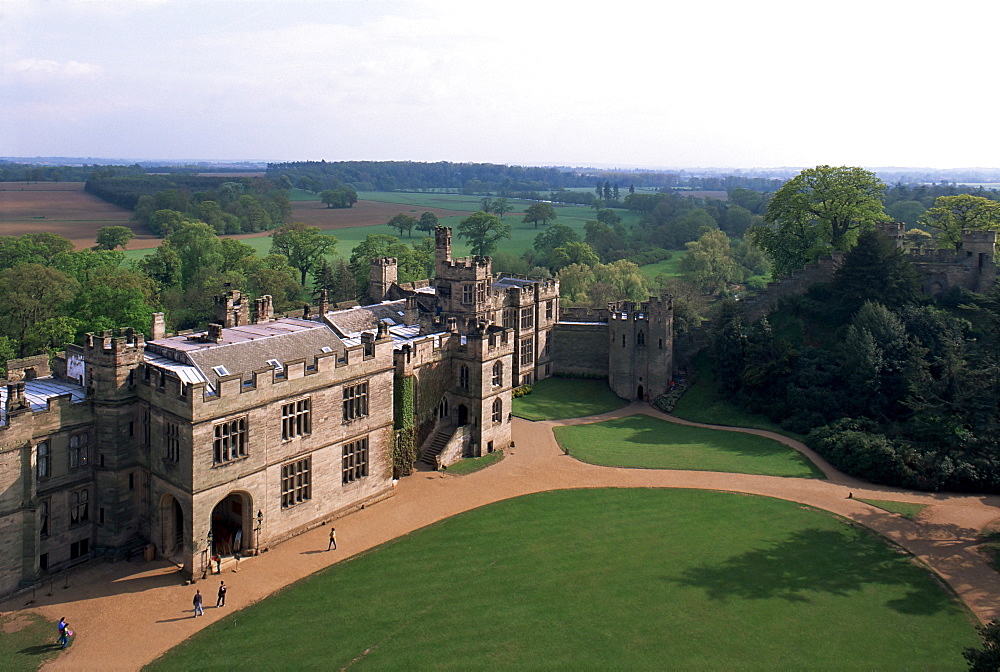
(724, 84)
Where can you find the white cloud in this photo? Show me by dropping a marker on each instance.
(34, 67)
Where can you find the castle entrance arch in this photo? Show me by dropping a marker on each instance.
(463, 415)
(231, 524)
(640, 394)
(171, 528)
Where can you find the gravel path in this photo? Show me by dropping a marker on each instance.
(126, 614)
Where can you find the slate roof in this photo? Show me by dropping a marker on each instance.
(38, 391)
(246, 348)
(351, 322)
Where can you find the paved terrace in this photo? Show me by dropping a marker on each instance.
(126, 614)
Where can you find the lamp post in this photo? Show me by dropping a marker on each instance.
(260, 523)
(208, 555)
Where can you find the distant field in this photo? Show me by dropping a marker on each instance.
(63, 208)
(668, 267)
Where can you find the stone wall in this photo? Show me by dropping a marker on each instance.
(580, 348)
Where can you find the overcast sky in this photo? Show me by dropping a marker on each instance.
(554, 82)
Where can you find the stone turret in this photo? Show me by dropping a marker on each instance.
(640, 348)
(384, 273)
(232, 309)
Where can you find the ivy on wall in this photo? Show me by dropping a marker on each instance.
(404, 453)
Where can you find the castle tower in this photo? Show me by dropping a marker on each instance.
(980, 248)
(894, 231)
(382, 277)
(641, 344)
(442, 247)
(112, 364)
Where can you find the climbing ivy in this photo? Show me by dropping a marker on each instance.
(404, 453)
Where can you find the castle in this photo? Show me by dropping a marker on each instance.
(228, 440)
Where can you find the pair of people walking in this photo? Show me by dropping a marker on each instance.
(199, 599)
(64, 633)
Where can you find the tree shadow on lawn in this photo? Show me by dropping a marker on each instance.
(812, 561)
(651, 431)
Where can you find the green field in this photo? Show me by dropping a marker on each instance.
(646, 442)
(642, 579)
(559, 398)
(26, 641)
(668, 267)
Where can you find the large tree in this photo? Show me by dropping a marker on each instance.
(483, 231)
(953, 214)
(539, 212)
(30, 294)
(709, 262)
(110, 237)
(303, 245)
(403, 223)
(427, 223)
(820, 208)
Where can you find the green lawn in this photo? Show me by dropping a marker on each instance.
(642, 579)
(473, 464)
(646, 442)
(26, 641)
(668, 267)
(560, 398)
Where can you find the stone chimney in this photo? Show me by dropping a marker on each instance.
(324, 302)
(265, 309)
(214, 333)
(16, 402)
(159, 327)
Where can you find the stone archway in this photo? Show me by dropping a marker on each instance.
(640, 393)
(171, 528)
(231, 524)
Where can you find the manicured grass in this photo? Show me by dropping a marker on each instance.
(641, 579)
(651, 443)
(905, 509)
(703, 402)
(473, 464)
(560, 398)
(26, 641)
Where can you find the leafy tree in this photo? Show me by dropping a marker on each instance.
(324, 277)
(164, 222)
(197, 247)
(403, 223)
(709, 262)
(573, 252)
(113, 298)
(163, 265)
(574, 281)
(952, 214)
(986, 659)
(32, 248)
(820, 208)
(501, 206)
(486, 204)
(341, 197)
(7, 352)
(303, 245)
(29, 295)
(608, 217)
(427, 223)
(110, 237)
(539, 212)
(483, 231)
(344, 287)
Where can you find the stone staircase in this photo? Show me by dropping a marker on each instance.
(437, 444)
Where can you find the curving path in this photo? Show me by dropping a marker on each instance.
(127, 614)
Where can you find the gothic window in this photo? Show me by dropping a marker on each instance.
(79, 450)
(463, 377)
(355, 460)
(640, 338)
(44, 459)
(43, 518)
(172, 432)
(497, 411)
(498, 374)
(355, 401)
(296, 480)
(296, 419)
(230, 440)
(79, 506)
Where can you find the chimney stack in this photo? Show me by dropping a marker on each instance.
(159, 327)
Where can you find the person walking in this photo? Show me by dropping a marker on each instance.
(64, 634)
(333, 539)
(221, 602)
(198, 611)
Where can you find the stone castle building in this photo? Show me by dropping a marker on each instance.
(237, 437)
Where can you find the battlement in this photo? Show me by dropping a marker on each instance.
(640, 311)
(127, 340)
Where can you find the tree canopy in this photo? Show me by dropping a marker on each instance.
(110, 237)
(819, 209)
(952, 214)
(303, 245)
(539, 213)
(483, 231)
